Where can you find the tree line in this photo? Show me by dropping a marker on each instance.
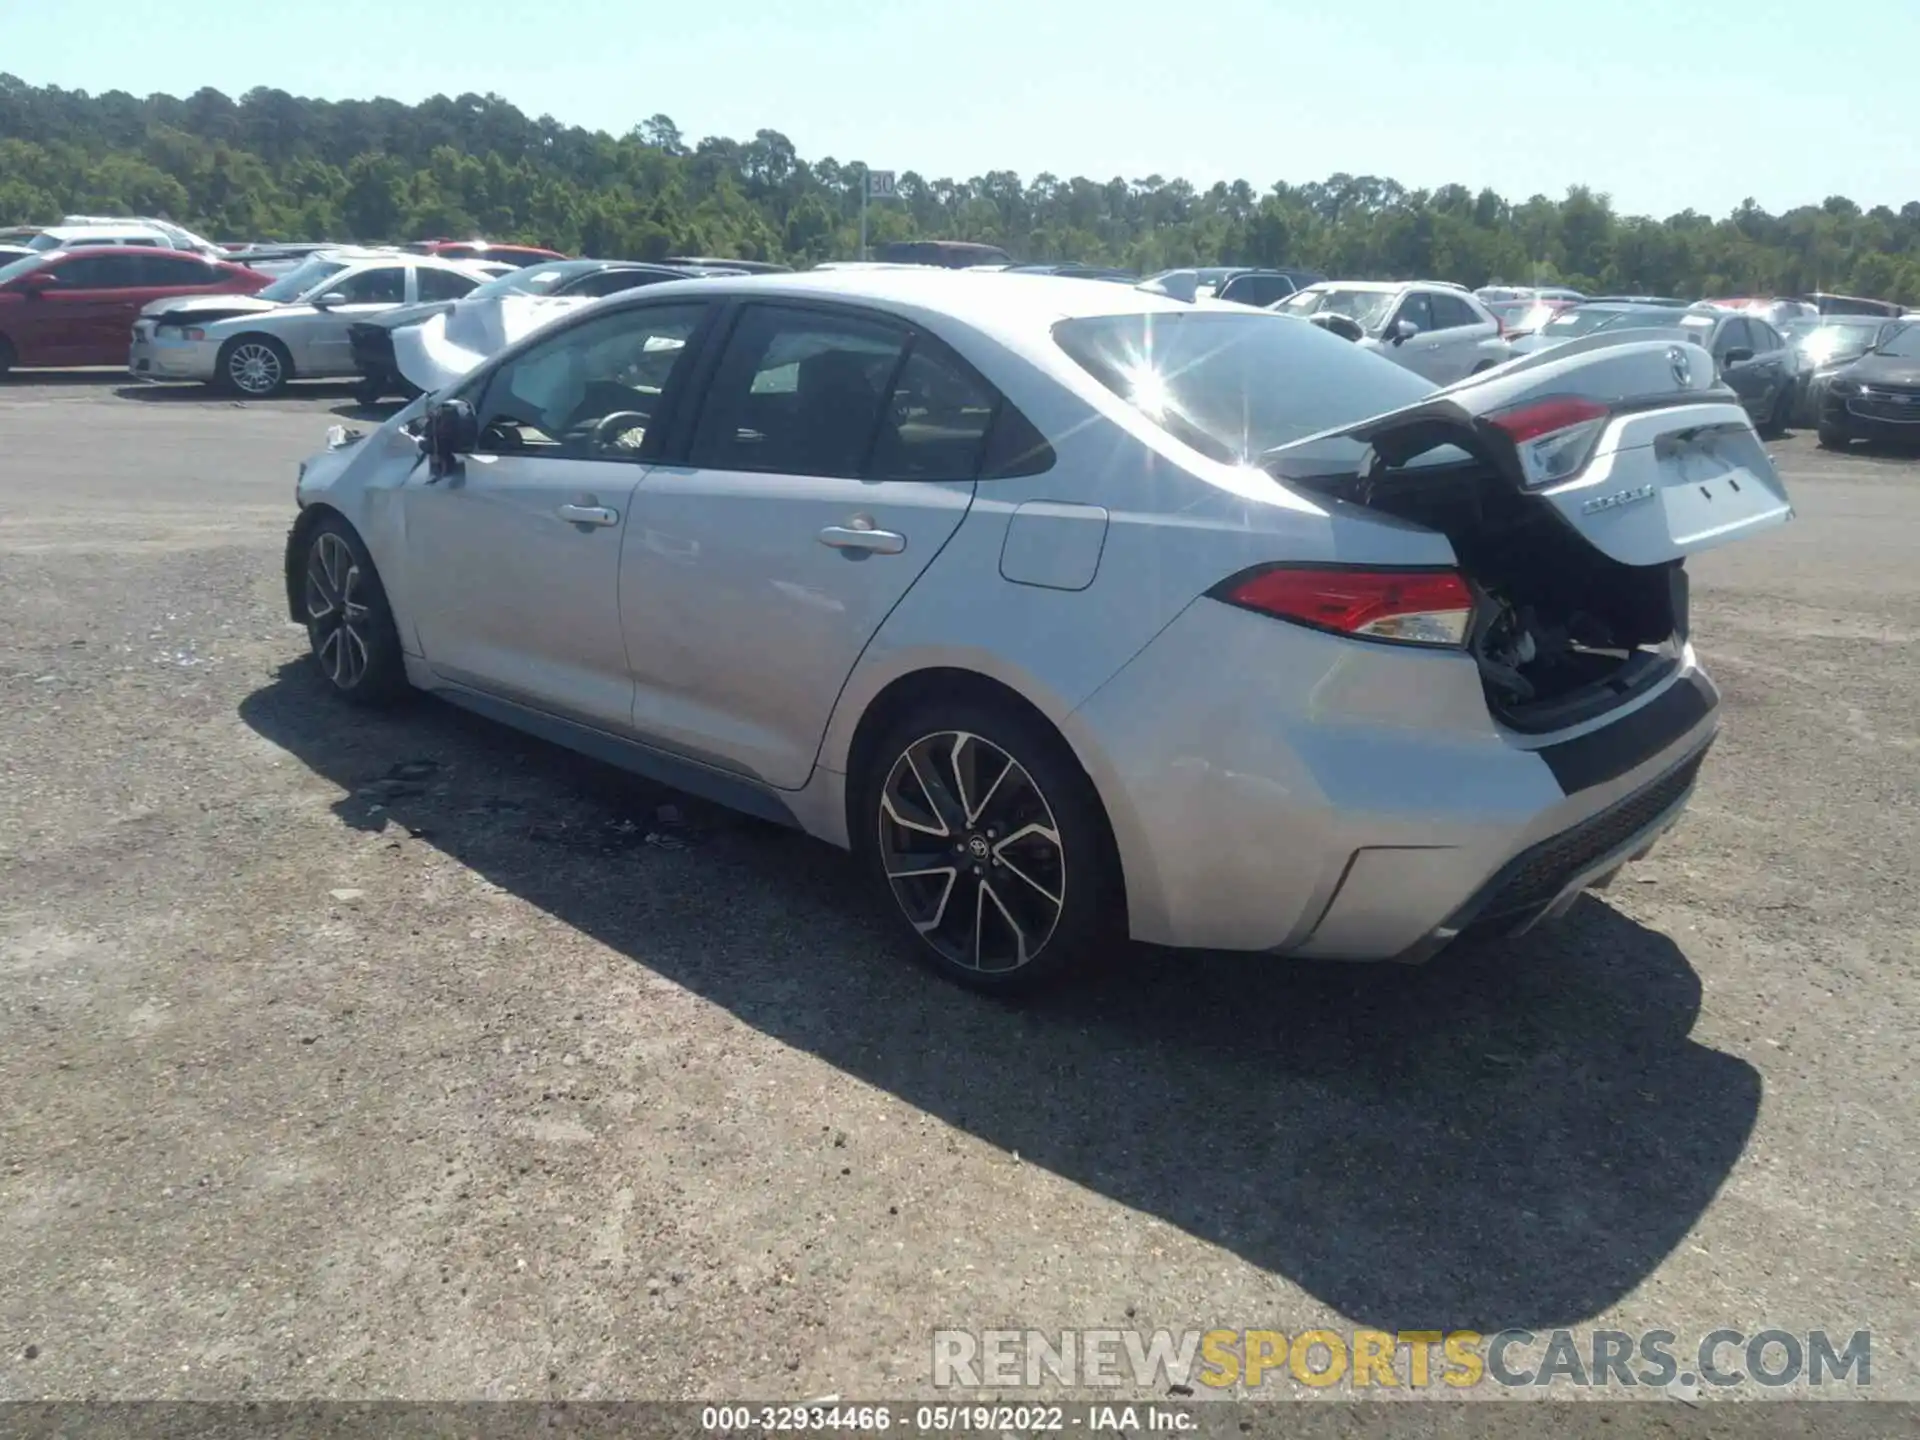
(273, 166)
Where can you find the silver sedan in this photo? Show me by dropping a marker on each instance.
(296, 328)
(1075, 612)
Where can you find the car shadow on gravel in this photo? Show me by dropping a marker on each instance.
(1515, 1135)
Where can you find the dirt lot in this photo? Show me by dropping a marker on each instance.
(348, 1056)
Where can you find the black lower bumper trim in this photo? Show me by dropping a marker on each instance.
(1612, 750)
(1533, 880)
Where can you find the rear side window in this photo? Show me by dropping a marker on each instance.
(384, 286)
(936, 419)
(1261, 290)
(798, 392)
(1233, 386)
(176, 271)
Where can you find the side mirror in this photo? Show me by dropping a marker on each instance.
(1738, 355)
(328, 300)
(452, 430)
(1402, 331)
(35, 285)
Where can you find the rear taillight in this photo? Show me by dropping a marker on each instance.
(1553, 438)
(1410, 607)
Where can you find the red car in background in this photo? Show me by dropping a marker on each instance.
(522, 255)
(77, 307)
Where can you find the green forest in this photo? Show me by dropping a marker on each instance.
(272, 166)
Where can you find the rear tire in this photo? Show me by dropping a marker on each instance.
(979, 829)
(350, 627)
(255, 366)
(1832, 438)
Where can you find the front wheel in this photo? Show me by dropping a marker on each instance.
(988, 841)
(1780, 416)
(1831, 437)
(254, 365)
(349, 624)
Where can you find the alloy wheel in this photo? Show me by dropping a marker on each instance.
(254, 368)
(336, 617)
(972, 851)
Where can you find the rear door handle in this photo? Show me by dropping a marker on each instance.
(863, 539)
(588, 515)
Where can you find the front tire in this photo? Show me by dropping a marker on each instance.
(255, 366)
(349, 623)
(1832, 437)
(981, 831)
(1780, 416)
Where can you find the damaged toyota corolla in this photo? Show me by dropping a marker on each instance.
(1073, 611)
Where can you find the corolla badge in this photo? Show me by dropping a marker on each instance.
(1681, 366)
(1617, 499)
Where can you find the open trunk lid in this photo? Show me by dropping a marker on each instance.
(1633, 443)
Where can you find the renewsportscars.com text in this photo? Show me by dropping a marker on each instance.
(1453, 1360)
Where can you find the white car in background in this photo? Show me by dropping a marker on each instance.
(1434, 329)
(296, 328)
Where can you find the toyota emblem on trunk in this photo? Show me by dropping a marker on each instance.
(1681, 366)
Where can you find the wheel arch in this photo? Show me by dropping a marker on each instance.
(304, 524)
(264, 336)
(929, 682)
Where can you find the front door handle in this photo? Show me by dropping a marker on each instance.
(863, 539)
(588, 515)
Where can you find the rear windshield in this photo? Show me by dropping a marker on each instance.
(1236, 386)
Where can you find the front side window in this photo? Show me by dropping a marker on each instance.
(798, 392)
(1366, 308)
(1417, 310)
(592, 391)
(1733, 335)
(385, 285)
(176, 272)
(444, 284)
(1450, 312)
(101, 272)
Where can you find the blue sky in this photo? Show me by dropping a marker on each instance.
(1664, 104)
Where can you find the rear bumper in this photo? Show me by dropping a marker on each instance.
(1308, 795)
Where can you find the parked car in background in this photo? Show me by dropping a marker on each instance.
(736, 267)
(1750, 356)
(371, 340)
(1439, 331)
(11, 253)
(1490, 295)
(1775, 312)
(946, 254)
(295, 328)
(1829, 304)
(177, 236)
(1240, 284)
(483, 250)
(1673, 302)
(1878, 396)
(1072, 270)
(1530, 315)
(1827, 345)
(1417, 678)
(74, 307)
(122, 234)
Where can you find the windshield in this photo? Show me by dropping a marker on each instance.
(1826, 343)
(300, 280)
(21, 267)
(1369, 308)
(1903, 344)
(1236, 386)
(532, 280)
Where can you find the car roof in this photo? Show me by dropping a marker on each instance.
(1382, 287)
(82, 232)
(1018, 310)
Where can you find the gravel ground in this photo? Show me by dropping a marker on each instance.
(391, 1057)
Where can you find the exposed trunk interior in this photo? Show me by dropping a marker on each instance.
(1562, 632)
